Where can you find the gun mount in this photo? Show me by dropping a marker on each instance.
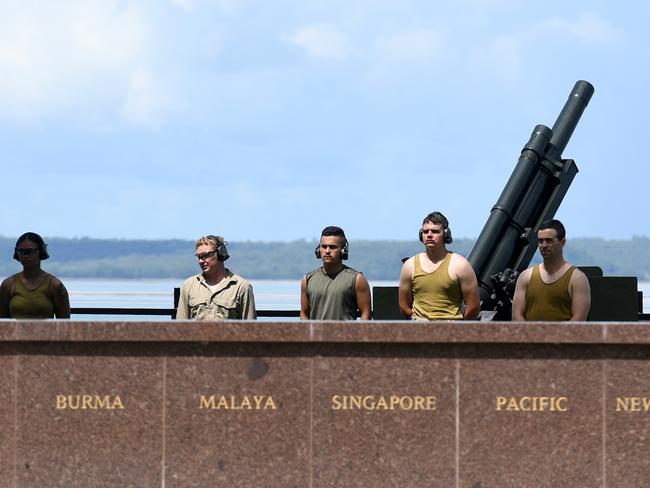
(532, 195)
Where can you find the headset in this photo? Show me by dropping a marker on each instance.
(36, 239)
(446, 231)
(337, 232)
(222, 251)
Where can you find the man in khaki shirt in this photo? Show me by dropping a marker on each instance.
(216, 293)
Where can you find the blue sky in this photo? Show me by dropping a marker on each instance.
(270, 120)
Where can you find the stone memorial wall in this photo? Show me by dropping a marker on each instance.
(324, 404)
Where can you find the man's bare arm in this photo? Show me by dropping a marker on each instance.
(580, 296)
(469, 289)
(519, 300)
(362, 289)
(405, 292)
(304, 299)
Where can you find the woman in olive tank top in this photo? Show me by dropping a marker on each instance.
(33, 293)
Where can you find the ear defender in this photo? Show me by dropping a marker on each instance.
(222, 251)
(345, 252)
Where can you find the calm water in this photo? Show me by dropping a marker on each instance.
(269, 295)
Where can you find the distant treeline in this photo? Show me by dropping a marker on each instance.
(379, 260)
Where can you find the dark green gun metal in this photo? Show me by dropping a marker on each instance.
(532, 195)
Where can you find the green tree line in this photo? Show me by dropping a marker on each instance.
(378, 259)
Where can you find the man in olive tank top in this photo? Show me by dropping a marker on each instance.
(434, 284)
(334, 291)
(553, 290)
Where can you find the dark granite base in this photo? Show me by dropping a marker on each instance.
(323, 405)
(7, 421)
(237, 421)
(85, 419)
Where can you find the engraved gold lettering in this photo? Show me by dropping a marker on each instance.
(419, 403)
(394, 401)
(61, 402)
(234, 402)
(381, 402)
(633, 404)
(88, 402)
(355, 401)
(336, 402)
(258, 401)
(531, 404)
(207, 403)
(246, 403)
(430, 402)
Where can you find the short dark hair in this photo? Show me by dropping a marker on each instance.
(436, 218)
(332, 230)
(36, 239)
(556, 225)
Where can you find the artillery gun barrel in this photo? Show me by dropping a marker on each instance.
(569, 116)
(532, 194)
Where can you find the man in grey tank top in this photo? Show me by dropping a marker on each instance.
(334, 291)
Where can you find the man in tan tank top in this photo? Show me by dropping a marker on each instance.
(554, 290)
(434, 284)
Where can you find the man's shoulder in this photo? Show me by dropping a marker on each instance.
(192, 280)
(239, 282)
(348, 270)
(312, 273)
(525, 275)
(577, 274)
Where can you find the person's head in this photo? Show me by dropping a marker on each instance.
(551, 237)
(556, 225)
(433, 225)
(30, 244)
(211, 252)
(333, 245)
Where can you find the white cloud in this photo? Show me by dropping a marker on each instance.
(145, 103)
(322, 41)
(417, 44)
(588, 28)
(499, 57)
(184, 4)
(73, 56)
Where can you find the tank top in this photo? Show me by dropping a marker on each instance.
(31, 304)
(548, 301)
(332, 297)
(435, 295)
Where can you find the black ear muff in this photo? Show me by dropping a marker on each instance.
(222, 250)
(345, 252)
(420, 236)
(446, 236)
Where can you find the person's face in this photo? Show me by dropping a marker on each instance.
(432, 234)
(549, 245)
(28, 252)
(207, 256)
(330, 249)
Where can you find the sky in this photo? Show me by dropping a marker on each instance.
(268, 121)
